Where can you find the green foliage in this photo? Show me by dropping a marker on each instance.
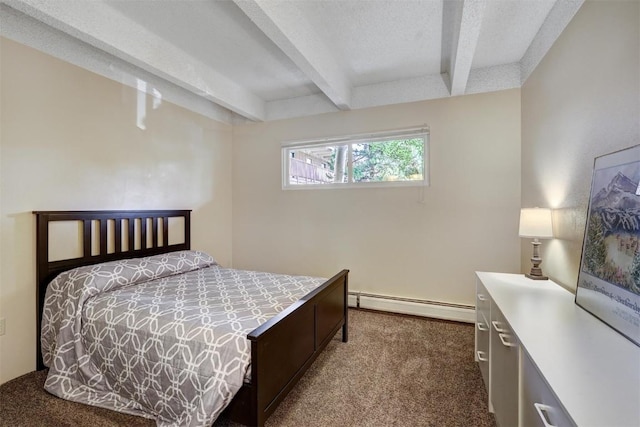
(388, 160)
(595, 249)
(635, 273)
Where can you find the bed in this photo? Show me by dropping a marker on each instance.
(281, 348)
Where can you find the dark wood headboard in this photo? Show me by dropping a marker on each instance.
(138, 226)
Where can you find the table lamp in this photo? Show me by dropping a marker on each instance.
(536, 223)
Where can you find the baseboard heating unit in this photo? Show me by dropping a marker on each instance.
(416, 307)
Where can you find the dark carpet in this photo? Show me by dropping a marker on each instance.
(394, 371)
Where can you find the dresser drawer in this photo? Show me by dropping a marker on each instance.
(483, 301)
(539, 406)
(503, 368)
(483, 304)
(482, 349)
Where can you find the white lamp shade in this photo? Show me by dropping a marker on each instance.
(536, 222)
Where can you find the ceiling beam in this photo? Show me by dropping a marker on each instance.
(284, 24)
(102, 27)
(461, 23)
(16, 26)
(559, 17)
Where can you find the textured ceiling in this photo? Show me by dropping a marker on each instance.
(271, 59)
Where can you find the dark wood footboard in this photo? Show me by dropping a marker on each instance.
(283, 348)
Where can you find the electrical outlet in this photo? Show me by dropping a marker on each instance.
(2, 326)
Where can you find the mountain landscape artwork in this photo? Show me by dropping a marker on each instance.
(612, 250)
(609, 275)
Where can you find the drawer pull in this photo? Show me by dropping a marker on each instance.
(542, 411)
(481, 297)
(505, 340)
(481, 356)
(482, 327)
(497, 326)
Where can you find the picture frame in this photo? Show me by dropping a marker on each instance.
(609, 275)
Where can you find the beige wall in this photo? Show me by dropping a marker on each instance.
(582, 101)
(393, 242)
(68, 141)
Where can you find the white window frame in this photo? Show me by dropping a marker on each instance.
(287, 147)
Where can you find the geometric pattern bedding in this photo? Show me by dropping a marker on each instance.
(162, 337)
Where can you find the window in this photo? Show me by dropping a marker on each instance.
(396, 158)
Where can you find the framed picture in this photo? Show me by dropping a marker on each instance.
(609, 276)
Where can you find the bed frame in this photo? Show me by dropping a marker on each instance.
(282, 349)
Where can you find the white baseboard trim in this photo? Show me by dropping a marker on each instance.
(434, 309)
(352, 301)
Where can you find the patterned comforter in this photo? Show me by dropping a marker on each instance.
(163, 337)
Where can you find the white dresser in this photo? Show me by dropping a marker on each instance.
(547, 362)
